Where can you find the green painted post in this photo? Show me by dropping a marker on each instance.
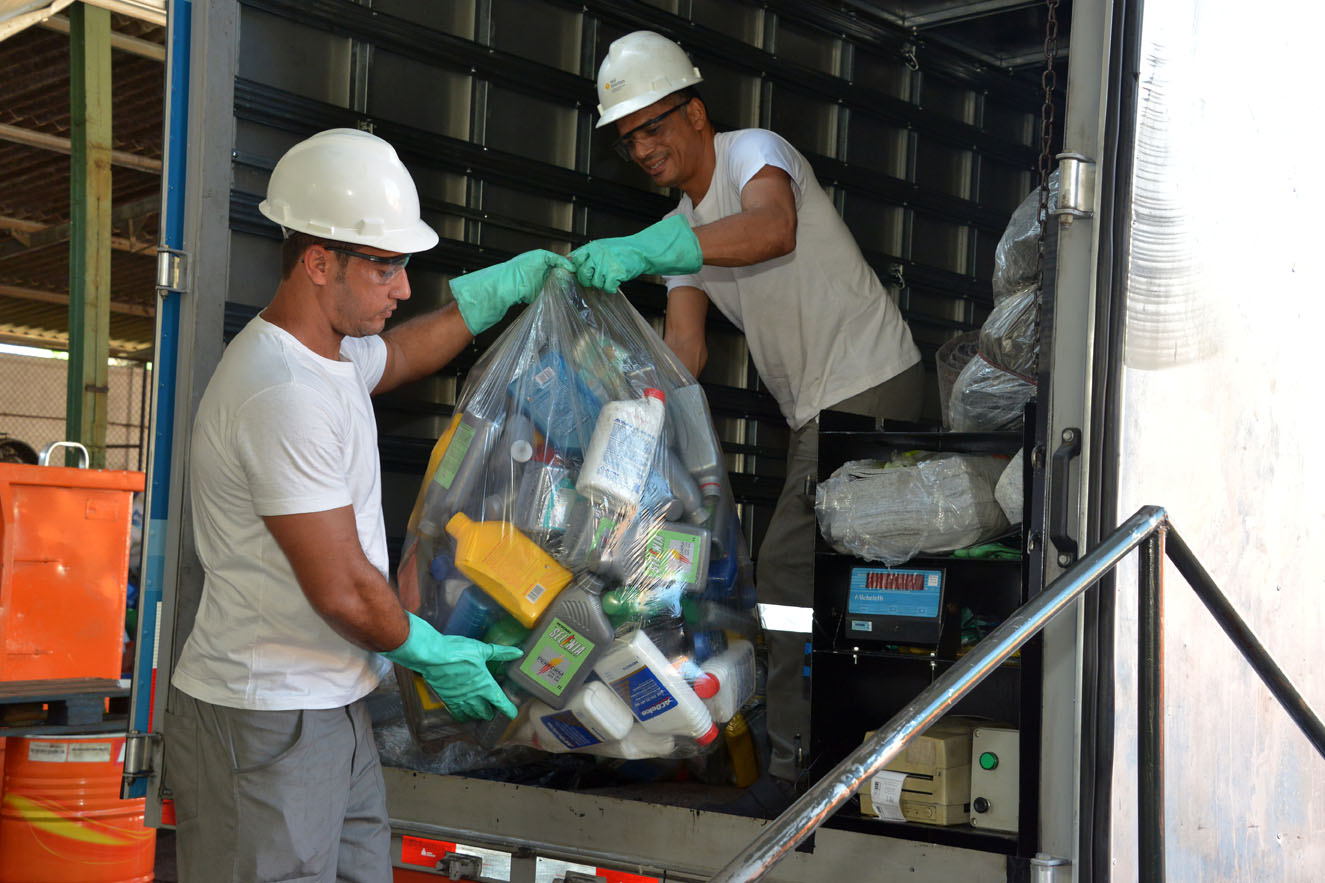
(89, 215)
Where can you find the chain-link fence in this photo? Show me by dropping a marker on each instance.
(32, 407)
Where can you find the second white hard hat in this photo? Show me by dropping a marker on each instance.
(349, 186)
(641, 68)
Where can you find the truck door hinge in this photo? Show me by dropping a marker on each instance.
(1050, 869)
(142, 756)
(172, 270)
(1076, 187)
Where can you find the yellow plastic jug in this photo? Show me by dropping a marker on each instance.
(507, 565)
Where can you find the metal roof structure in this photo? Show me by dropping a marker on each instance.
(35, 194)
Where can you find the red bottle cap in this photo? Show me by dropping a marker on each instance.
(709, 736)
(706, 686)
(655, 394)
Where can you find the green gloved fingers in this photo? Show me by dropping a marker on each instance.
(456, 668)
(669, 247)
(485, 295)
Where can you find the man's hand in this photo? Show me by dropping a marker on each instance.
(669, 247)
(456, 668)
(485, 295)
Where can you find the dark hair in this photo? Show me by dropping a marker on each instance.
(296, 243)
(691, 93)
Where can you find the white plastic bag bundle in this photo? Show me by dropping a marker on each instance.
(1008, 490)
(915, 503)
(578, 506)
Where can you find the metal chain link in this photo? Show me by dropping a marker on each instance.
(1049, 81)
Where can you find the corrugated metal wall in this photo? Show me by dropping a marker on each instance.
(491, 105)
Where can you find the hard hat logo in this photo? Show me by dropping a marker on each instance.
(350, 186)
(641, 68)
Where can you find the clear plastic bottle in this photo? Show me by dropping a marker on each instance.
(507, 565)
(546, 495)
(658, 696)
(569, 637)
(622, 449)
(696, 445)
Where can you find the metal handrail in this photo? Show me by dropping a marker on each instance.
(1148, 529)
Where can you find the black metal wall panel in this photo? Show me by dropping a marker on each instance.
(491, 104)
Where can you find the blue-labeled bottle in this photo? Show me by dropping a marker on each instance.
(560, 404)
(473, 612)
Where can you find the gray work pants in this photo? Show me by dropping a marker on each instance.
(276, 795)
(785, 572)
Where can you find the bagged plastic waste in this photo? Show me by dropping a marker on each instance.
(578, 506)
(986, 398)
(917, 502)
(1016, 254)
(1009, 490)
(1010, 336)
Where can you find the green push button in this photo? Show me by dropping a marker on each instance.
(988, 760)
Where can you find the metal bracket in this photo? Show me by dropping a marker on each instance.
(580, 877)
(459, 866)
(172, 269)
(142, 753)
(1076, 187)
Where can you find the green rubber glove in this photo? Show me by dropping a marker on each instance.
(485, 295)
(456, 668)
(669, 247)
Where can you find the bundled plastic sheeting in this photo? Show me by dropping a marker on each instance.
(1016, 253)
(1008, 491)
(578, 506)
(1009, 338)
(915, 503)
(950, 359)
(986, 398)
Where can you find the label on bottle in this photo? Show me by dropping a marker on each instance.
(455, 454)
(672, 555)
(627, 455)
(569, 730)
(556, 657)
(647, 696)
(557, 504)
(535, 593)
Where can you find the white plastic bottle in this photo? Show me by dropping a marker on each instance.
(622, 449)
(593, 716)
(637, 744)
(658, 696)
(728, 680)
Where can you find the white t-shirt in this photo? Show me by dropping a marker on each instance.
(819, 324)
(279, 431)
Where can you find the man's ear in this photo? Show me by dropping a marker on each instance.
(697, 114)
(316, 262)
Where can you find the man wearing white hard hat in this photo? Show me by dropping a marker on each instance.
(269, 749)
(755, 235)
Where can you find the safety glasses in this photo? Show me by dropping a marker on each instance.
(391, 266)
(648, 129)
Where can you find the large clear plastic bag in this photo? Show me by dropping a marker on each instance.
(914, 503)
(1016, 254)
(1009, 337)
(986, 398)
(578, 506)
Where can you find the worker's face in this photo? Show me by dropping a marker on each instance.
(365, 291)
(665, 140)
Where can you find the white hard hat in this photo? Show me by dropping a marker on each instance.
(641, 68)
(349, 186)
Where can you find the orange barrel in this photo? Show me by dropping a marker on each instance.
(61, 818)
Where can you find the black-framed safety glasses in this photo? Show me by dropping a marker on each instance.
(391, 265)
(650, 128)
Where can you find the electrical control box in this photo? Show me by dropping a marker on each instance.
(995, 777)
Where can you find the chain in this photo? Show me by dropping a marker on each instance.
(1048, 80)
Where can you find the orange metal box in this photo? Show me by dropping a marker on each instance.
(64, 563)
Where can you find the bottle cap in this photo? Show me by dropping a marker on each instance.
(706, 686)
(709, 736)
(458, 524)
(653, 393)
(440, 567)
(521, 450)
